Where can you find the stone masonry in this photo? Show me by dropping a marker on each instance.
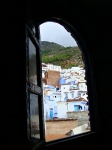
(52, 77)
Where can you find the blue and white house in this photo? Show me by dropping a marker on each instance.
(70, 96)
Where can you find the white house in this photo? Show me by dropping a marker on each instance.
(53, 67)
(71, 105)
(82, 86)
(50, 96)
(68, 92)
(76, 104)
(50, 107)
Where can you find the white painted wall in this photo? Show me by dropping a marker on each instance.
(65, 88)
(53, 67)
(62, 109)
(71, 105)
(82, 86)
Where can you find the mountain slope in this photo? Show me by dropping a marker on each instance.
(56, 54)
(50, 45)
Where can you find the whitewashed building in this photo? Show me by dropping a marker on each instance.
(53, 67)
(71, 96)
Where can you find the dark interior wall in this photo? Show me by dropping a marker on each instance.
(12, 75)
(102, 67)
(94, 25)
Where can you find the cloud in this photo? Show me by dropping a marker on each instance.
(54, 32)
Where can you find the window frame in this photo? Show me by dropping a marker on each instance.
(34, 39)
(93, 109)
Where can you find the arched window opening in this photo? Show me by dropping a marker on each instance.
(60, 93)
(65, 67)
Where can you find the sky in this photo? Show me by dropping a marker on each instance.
(54, 32)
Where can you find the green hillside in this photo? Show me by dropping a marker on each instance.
(66, 57)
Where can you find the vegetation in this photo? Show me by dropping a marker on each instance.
(66, 57)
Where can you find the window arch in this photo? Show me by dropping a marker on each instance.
(45, 59)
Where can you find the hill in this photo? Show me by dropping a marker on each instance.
(56, 54)
(50, 45)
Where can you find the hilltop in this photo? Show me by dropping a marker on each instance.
(66, 57)
(45, 45)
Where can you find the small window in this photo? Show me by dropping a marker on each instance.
(72, 95)
(66, 97)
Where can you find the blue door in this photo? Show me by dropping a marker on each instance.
(76, 107)
(51, 113)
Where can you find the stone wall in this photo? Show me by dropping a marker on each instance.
(60, 126)
(81, 116)
(52, 77)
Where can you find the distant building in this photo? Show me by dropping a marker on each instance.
(52, 77)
